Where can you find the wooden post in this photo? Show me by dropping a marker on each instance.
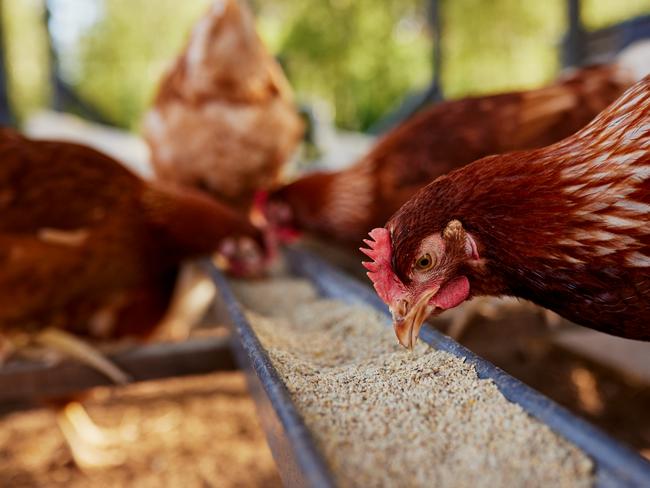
(433, 93)
(436, 27)
(6, 116)
(57, 101)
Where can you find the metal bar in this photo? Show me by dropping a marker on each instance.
(411, 104)
(28, 380)
(433, 93)
(64, 97)
(435, 21)
(293, 448)
(616, 464)
(604, 44)
(6, 115)
(573, 45)
(57, 98)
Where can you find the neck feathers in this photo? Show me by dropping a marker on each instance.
(335, 204)
(192, 223)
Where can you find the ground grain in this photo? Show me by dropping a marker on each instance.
(383, 416)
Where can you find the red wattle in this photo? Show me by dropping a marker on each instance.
(452, 294)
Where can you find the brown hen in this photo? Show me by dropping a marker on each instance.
(566, 226)
(224, 118)
(90, 251)
(345, 205)
(88, 247)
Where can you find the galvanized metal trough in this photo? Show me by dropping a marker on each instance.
(298, 459)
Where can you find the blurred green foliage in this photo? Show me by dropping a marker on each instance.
(500, 45)
(601, 13)
(124, 54)
(360, 56)
(26, 55)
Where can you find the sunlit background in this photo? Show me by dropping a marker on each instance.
(359, 59)
(355, 63)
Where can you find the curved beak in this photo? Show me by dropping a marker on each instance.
(407, 321)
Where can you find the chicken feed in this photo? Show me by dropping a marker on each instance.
(383, 416)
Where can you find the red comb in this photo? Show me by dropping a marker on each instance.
(380, 270)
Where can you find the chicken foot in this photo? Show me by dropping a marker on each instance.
(7, 348)
(75, 415)
(83, 352)
(193, 295)
(89, 444)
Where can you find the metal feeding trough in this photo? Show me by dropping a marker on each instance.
(298, 459)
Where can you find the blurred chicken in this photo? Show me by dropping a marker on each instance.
(90, 251)
(224, 118)
(345, 205)
(566, 226)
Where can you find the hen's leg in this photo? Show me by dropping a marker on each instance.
(89, 444)
(492, 308)
(6, 349)
(192, 297)
(74, 414)
(551, 319)
(82, 352)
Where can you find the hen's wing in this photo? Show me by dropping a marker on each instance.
(60, 186)
(454, 133)
(72, 238)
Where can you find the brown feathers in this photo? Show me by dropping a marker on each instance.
(224, 118)
(345, 205)
(566, 226)
(84, 241)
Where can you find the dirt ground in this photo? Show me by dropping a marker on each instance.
(187, 432)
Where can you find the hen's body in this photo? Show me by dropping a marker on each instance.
(87, 246)
(224, 118)
(566, 226)
(345, 205)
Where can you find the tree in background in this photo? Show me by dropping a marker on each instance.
(497, 46)
(123, 56)
(362, 57)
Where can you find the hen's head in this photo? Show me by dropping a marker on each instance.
(275, 212)
(245, 257)
(419, 277)
(195, 224)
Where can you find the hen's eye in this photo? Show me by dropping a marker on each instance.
(424, 262)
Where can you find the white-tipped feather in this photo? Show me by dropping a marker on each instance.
(611, 166)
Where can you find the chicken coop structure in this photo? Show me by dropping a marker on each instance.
(298, 458)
